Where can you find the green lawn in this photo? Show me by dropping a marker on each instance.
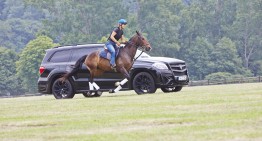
(223, 112)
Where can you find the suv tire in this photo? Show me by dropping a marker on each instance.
(62, 90)
(168, 90)
(143, 83)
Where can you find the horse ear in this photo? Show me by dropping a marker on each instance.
(137, 32)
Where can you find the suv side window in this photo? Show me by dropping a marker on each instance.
(77, 53)
(60, 56)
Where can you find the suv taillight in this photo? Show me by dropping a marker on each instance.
(41, 70)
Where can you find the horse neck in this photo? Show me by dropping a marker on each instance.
(130, 49)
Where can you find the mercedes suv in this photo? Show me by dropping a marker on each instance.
(147, 74)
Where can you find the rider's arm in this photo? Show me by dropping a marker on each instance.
(114, 39)
(123, 39)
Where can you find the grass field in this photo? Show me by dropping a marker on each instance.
(223, 112)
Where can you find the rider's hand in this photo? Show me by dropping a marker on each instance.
(118, 44)
(125, 42)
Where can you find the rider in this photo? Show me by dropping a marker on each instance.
(112, 42)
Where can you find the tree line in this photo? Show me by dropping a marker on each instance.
(215, 37)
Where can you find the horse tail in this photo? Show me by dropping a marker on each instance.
(76, 67)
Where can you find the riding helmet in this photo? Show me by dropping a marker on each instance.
(122, 21)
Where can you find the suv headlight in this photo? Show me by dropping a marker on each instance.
(160, 66)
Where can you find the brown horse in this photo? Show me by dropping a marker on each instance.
(124, 61)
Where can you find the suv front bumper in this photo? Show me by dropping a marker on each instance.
(166, 78)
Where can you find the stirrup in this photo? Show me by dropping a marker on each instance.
(113, 67)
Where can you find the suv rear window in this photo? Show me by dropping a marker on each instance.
(83, 51)
(60, 56)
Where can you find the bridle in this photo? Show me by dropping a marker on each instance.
(138, 45)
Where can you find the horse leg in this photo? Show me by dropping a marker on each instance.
(91, 87)
(96, 86)
(92, 62)
(119, 87)
(93, 84)
(123, 82)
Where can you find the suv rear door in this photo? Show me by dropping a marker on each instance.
(57, 61)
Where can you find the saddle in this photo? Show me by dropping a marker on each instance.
(105, 53)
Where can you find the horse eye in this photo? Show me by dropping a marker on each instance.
(143, 38)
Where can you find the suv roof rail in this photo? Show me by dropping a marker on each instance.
(63, 46)
(89, 44)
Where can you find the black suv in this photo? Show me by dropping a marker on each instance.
(147, 74)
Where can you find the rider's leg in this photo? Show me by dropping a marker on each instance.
(111, 50)
(104, 53)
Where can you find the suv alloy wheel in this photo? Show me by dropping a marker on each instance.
(62, 90)
(144, 83)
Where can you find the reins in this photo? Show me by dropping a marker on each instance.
(129, 42)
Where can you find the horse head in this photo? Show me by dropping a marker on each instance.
(142, 42)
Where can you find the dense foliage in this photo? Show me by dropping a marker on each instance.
(9, 82)
(212, 36)
(30, 60)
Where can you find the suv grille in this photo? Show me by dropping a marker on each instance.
(178, 69)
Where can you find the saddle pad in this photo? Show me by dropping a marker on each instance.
(105, 53)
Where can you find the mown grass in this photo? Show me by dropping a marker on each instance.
(223, 112)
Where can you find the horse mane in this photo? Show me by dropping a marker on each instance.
(130, 40)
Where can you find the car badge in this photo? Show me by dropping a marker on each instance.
(181, 67)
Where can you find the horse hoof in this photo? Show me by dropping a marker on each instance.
(111, 91)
